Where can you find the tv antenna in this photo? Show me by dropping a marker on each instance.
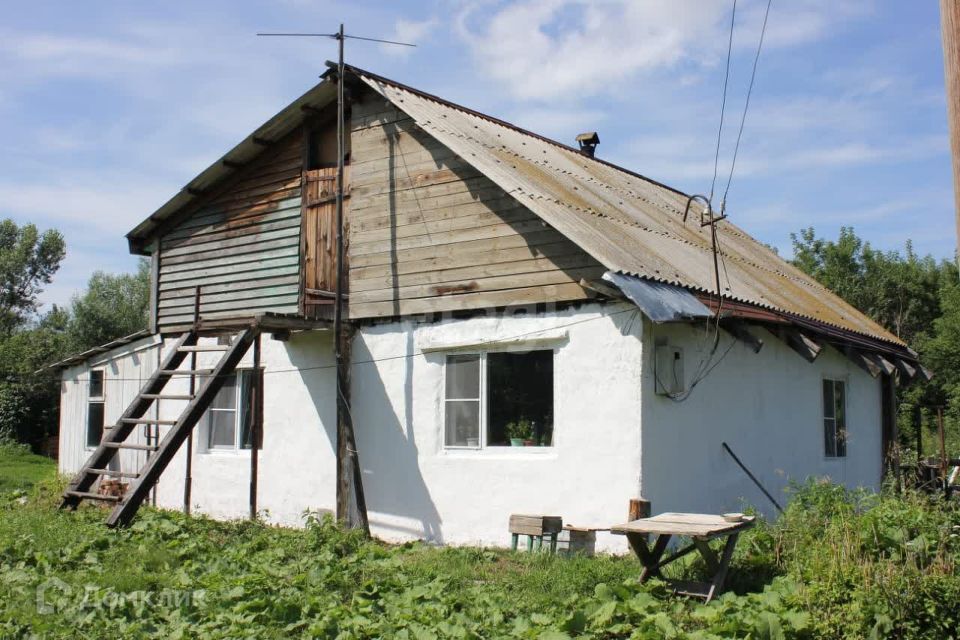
(346, 442)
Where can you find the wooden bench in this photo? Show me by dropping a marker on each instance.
(536, 528)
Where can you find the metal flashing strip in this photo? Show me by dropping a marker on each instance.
(659, 301)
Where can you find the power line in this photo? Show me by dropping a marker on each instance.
(746, 105)
(723, 101)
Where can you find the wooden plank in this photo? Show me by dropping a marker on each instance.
(477, 271)
(510, 297)
(449, 251)
(231, 243)
(284, 251)
(514, 214)
(230, 318)
(243, 284)
(262, 229)
(556, 249)
(495, 283)
(456, 236)
(221, 222)
(246, 266)
(702, 525)
(534, 525)
(224, 213)
(424, 211)
(424, 179)
(446, 194)
(235, 300)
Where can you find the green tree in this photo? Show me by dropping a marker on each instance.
(113, 306)
(28, 260)
(29, 396)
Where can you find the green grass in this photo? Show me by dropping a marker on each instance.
(21, 469)
(837, 565)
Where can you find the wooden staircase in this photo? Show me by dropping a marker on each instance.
(205, 384)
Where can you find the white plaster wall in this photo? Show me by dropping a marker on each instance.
(417, 489)
(297, 468)
(768, 408)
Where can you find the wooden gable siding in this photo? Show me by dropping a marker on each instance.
(428, 232)
(240, 244)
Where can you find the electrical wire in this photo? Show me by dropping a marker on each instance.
(746, 105)
(723, 101)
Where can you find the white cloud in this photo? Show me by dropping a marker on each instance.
(545, 49)
(410, 31)
(541, 49)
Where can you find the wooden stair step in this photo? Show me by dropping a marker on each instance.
(87, 495)
(111, 472)
(160, 396)
(130, 445)
(204, 347)
(147, 421)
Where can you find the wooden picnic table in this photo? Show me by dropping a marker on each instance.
(701, 528)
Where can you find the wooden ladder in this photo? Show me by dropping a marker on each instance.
(162, 452)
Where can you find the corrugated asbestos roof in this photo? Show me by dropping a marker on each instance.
(77, 358)
(628, 223)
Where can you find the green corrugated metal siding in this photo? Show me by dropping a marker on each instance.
(241, 245)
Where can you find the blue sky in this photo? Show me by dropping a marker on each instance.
(108, 108)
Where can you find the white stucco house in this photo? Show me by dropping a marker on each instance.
(534, 330)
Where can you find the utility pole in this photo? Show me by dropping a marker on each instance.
(349, 490)
(950, 31)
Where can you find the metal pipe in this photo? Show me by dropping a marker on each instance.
(727, 448)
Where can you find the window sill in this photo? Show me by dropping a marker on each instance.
(501, 453)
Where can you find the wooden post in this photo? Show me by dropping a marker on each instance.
(639, 508)
(256, 416)
(188, 474)
(888, 427)
(950, 32)
(349, 481)
(943, 447)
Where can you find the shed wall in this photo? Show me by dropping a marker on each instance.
(768, 408)
(240, 244)
(125, 369)
(428, 232)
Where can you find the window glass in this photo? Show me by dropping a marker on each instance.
(94, 423)
(96, 383)
(246, 417)
(222, 416)
(463, 377)
(834, 418)
(499, 399)
(520, 398)
(462, 410)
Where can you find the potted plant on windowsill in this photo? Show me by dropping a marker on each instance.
(520, 432)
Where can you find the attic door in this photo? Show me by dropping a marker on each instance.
(320, 217)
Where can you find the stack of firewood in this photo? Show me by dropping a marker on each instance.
(112, 488)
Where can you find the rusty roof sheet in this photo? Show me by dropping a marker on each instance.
(629, 223)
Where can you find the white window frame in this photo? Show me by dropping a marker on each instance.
(483, 446)
(237, 446)
(846, 417)
(102, 400)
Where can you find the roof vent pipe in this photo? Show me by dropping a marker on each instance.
(588, 143)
